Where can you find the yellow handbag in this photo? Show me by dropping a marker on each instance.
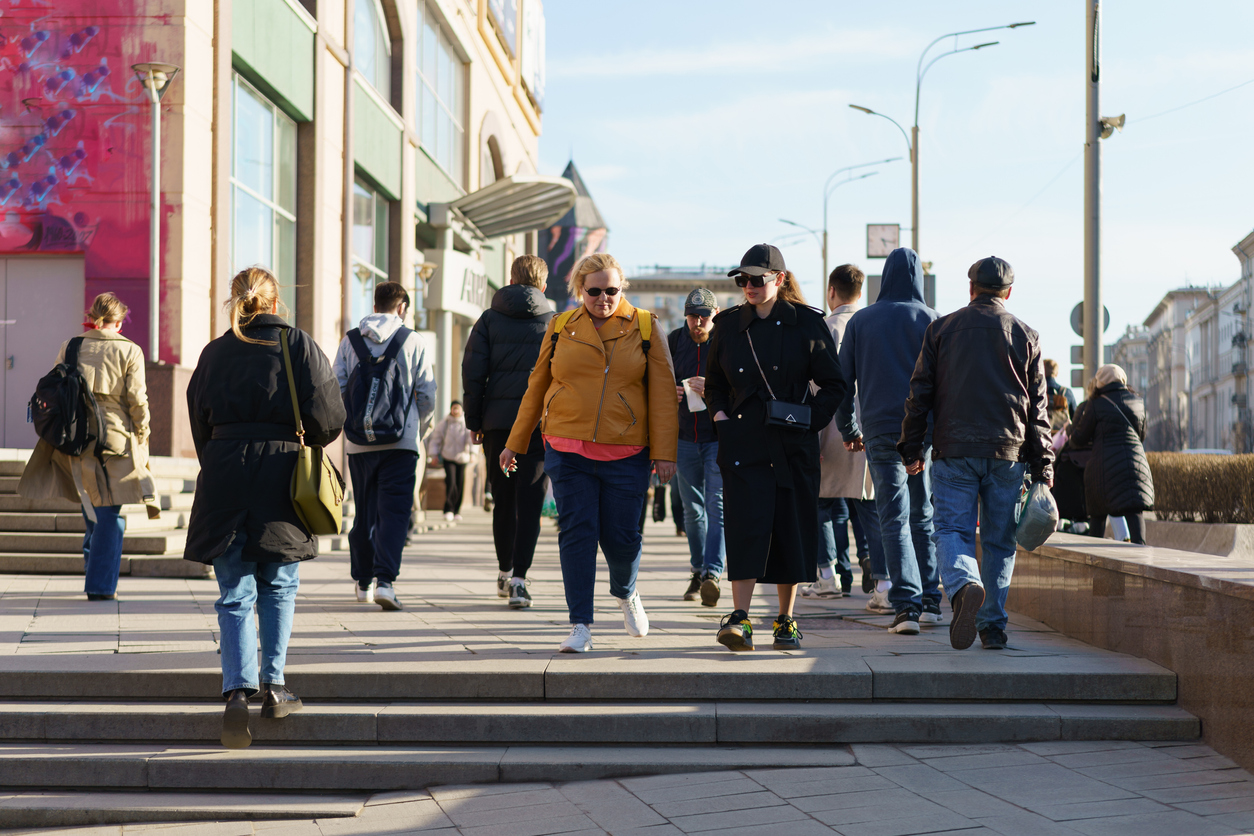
(317, 487)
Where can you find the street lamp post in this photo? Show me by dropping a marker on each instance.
(156, 79)
(912, 140)
(829, 187)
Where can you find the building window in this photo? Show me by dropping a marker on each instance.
(263, 188)
(372, 48)
(370, 249)
(441, 95)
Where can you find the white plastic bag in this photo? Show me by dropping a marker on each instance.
(1037, 517)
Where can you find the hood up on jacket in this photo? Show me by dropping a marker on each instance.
(379, 327)
(520, 301)
(902, 280)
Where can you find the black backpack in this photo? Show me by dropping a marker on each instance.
(63, 408)
(375, 398)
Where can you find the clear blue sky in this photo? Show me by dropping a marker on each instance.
(698, 124)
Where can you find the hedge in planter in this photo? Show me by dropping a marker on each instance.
(1201, 488)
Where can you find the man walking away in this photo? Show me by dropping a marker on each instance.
(388, 388)
(846, 493)
(877, 355)
(1061, 398)
(700, 482)
(502, 349)
(981, 379)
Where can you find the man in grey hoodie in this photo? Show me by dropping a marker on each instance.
(877, 357)
(383, 475)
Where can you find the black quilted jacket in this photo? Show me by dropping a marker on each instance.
(500, 353)
(1117, 480)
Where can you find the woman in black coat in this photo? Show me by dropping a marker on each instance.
(770, 473)
(1117, 480)
(243, 521)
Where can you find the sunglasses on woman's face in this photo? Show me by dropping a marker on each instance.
(743, 279)
(597, 291)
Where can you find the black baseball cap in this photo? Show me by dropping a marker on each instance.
(760, 259)
(992, 272)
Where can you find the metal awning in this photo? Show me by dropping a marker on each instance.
(519, 203)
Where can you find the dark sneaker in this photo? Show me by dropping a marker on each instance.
(694, 587)
(235, 733)
(906, 623)
(868, 582)
(519, 597)
(709, 589)
(931, 613)
(279, 702)
(966, 603)
(736, 631)
(993, 639)
(787, 636)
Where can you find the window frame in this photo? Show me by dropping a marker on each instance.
(382, 37)
(380, 217)
(454, 112)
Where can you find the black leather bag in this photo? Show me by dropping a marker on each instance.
(792, 416)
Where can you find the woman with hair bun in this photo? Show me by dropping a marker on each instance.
(110, 474)
(243, 522)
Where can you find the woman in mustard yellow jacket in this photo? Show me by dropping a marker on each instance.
(603, 394)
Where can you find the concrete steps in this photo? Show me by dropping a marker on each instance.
(134, 565)
(169, 541)
(76, 809)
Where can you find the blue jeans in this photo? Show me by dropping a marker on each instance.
(272, 588)
(597, 502)
(904, 504)
(866, 518)
(700, 485)
(102, 550)
(983, 491)
(834, 538)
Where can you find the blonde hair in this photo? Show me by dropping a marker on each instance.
(594, 263)
(790, 291)
(254, 290)
(529, 270)
(107, 308)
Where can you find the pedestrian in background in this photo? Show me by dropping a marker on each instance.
(846, 492)
(602, 395)
(114, 471)
(500, 353)
(1061, 398)
(1117, 479)
(877, 357)
(980, 383)
(699, 482)
(764, 354)
(383, 464)
(243, 522)
(452, 445)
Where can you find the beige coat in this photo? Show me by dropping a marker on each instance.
(451, 441)
(845, 475)
(113, 367)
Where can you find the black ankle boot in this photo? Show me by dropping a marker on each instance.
(279, 702)
(235, 734)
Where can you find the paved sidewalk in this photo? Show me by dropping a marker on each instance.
(1032, 789)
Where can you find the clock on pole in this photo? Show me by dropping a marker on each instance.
(882, 239)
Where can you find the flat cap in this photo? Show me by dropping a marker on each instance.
(992, 272)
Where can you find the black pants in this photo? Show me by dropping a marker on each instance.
(518, 501)
(383, 493)
(454, 481)
(1136, 527)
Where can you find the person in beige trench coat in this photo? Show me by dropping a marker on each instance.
(113, 367)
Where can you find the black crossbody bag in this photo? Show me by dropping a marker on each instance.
(793, 416)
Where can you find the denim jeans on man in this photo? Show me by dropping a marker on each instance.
(700, 486)
(866, 519)
(272, 588)
(597, 502)
(962, 487)
(834, 538)
(904, 504)
(383, 495)
(102, 550)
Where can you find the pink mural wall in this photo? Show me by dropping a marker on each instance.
(75, 139)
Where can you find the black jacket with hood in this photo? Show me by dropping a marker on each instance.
(500, 353)
(244, 428)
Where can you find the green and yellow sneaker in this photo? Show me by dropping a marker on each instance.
(787, 636)
(736, 631)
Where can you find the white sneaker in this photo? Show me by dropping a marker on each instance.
(457, 518)
(579, 640)
(635, 620)
(364, 596)
(385, 597)
(822, 588)
(879, 603)
(448, 516)
(502, 582)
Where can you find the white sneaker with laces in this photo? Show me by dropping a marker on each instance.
(448, 516)
(822, 588)
(579, 640)
(385, 597)
(502, 584)
(635, 620)
(364, 596)
(879, 603)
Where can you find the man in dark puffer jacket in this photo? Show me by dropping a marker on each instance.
(500, 353)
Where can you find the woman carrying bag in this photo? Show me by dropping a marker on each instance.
(772, 383)
(243, 520)
(110, 474)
